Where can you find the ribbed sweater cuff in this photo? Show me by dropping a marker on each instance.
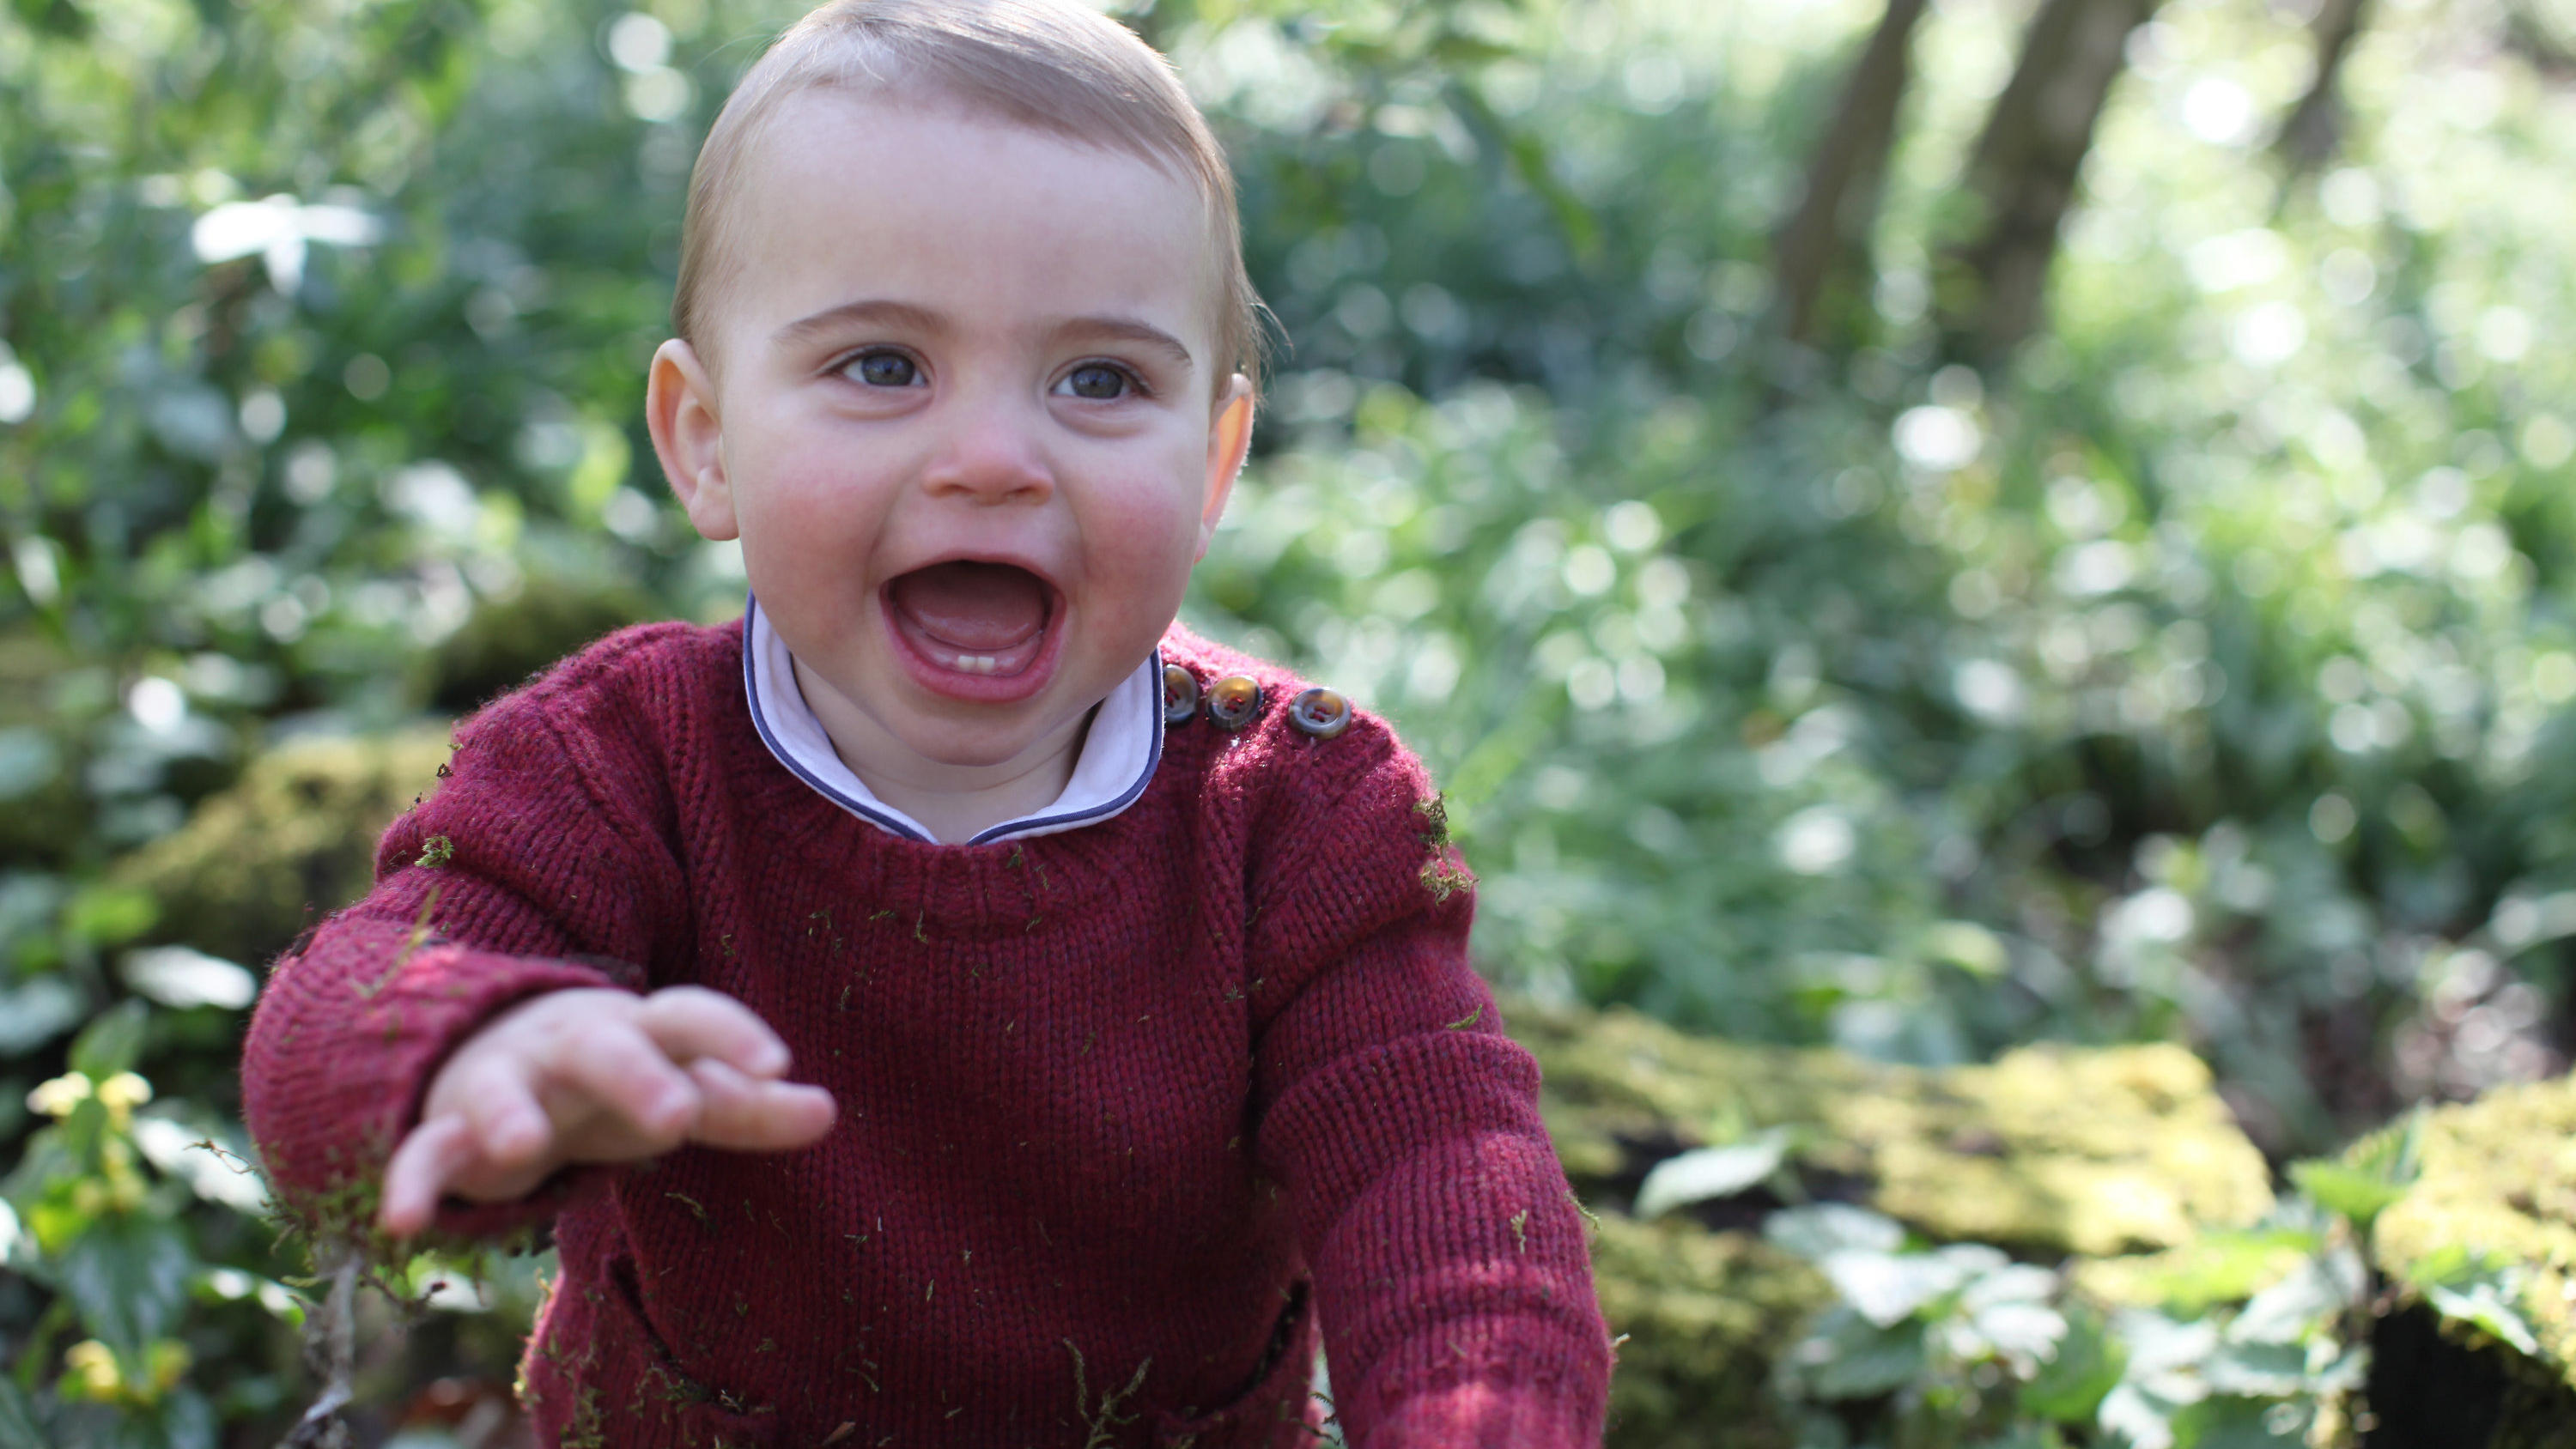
(1483, 1416)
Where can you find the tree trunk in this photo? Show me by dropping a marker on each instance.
(2023, 173)
(1826, 240)
(2315, 126)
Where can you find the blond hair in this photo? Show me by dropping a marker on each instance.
(1052, 65)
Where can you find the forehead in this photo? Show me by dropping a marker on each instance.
(925, 200)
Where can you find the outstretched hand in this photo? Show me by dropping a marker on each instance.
(596, 1076)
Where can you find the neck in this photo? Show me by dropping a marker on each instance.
(953, 802)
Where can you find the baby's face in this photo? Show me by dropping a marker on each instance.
(962, 415)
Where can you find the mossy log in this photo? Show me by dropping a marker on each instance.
(291, 841)
(2049, 1151)
(2055, 1152)
(2495, 1185)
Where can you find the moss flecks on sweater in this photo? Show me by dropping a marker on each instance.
(2046, 1150)
(293, 839)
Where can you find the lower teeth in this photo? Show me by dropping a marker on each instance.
(975, 663)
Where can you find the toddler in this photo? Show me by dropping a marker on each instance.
(954, 1005)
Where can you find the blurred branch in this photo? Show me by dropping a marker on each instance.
(2023, 173)
(2539, 44)
(1827, 238)
(2315, 125)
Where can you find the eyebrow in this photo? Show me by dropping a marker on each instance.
(866, 312)
(1127, 329)
(882, 312)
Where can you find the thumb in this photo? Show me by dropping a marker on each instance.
(430, 1158)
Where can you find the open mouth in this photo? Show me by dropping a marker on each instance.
(975, 619)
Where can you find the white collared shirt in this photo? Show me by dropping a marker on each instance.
(1119, 752)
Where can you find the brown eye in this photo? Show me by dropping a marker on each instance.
(1097, 381)
(885, 369)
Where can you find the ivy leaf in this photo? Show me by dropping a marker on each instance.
(1709, 1173)
(128, 1276)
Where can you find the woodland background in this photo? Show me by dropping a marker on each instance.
(1921, 529)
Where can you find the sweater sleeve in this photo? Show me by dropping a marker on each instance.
(520, 875)
(1450, 1268)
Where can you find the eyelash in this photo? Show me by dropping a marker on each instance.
(1136, 384)
(849, 366)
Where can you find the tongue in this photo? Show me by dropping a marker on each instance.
(980, 607)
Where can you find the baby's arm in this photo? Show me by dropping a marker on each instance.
(1451, 1275)
(592, 1076)
(516, 915)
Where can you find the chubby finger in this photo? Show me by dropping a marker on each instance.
(623, 1072)
(428, 1159)
(508, 1123)
(755, 1116)
(692, 1022)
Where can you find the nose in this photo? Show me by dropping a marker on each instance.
(989, 453)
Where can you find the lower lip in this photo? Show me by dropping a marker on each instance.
(934, 672)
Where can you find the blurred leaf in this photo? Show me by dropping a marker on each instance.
(2298, 1307)
(2138, 1418)
(2487, 1298)
(2227, 1422)
(1706, 1173)
(1848, 1357)
(17, 1419)
(36, 1011)
(2070, 1384)
(28, 762)
(1888, 1288)
(2365, 1180)
(1817, 1231)
(109, 915)
(181, 977)
(113, 1042)
(1970, 947)
(128, 1276)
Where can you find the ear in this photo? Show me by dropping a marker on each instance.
(688, 436)
(1229, 442)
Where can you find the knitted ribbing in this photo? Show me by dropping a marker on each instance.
(1126, 1113)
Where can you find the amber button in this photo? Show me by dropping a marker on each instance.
(1233, 701)
(1180, 695)
(1322, 713)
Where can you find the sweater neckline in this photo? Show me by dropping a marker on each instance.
(1119, 752)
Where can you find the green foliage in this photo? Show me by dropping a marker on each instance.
(2204, 677)
(1960, 1345)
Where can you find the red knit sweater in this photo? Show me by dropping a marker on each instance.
(1126, 1113)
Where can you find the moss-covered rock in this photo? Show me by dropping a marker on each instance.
(1704, 1313)
(2057, 1152)
(2494, 1198)
(292, 839)
(2048, 1151)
